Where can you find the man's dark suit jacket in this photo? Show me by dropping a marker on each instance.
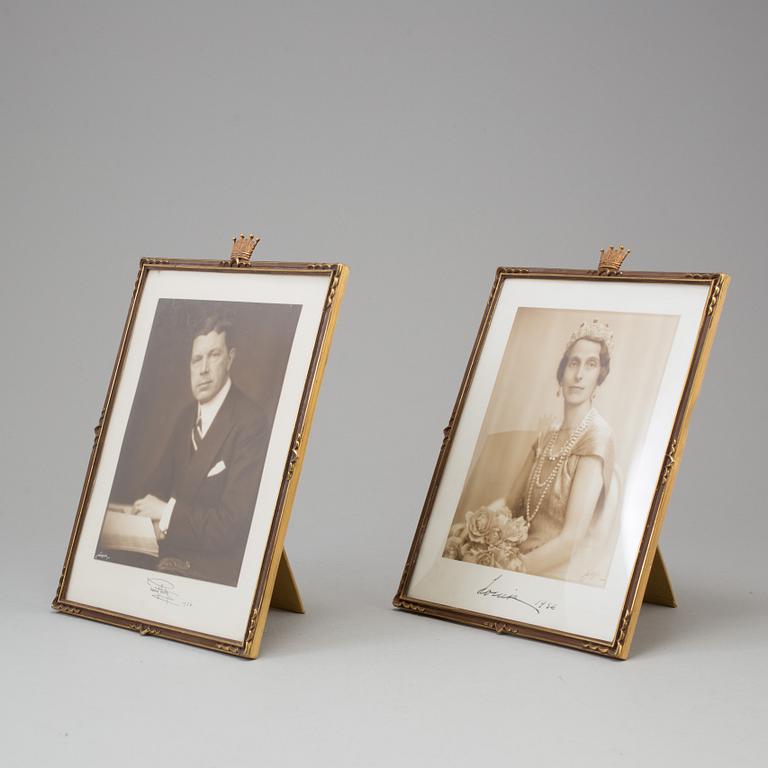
(212, 516)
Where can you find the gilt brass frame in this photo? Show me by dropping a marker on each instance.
(648, 564)
(275, 583)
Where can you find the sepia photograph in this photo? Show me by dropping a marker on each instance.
(180, 527)
(194, 448)
(544, 510)
(567, 416)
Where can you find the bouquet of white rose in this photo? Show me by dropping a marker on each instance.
(488, 537)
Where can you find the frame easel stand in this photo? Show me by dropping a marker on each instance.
(658, 589)
(285, 592)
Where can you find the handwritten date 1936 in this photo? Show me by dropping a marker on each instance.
(490, 590)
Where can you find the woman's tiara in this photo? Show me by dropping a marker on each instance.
(593, 329)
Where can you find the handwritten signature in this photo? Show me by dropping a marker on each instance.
(539, 605)
(165, 591)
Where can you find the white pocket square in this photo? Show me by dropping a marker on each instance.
(216, 469)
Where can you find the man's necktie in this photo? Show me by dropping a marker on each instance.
(197, 433)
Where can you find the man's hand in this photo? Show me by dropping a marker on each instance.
(159, 535)
(149, 506)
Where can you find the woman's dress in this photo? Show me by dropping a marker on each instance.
(591, 557)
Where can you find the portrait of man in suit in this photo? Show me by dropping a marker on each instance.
(202, 493)
(193, 454)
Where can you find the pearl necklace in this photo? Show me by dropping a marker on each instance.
(560, 457)
(571, 441)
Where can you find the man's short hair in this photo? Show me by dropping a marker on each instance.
(217, 323)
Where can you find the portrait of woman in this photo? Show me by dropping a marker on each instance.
(556, 457)
(559, 518)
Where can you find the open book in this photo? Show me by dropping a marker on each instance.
(128, 533)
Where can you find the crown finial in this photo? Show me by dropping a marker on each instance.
(611, 258)
(242, 248)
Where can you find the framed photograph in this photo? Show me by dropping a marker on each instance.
(180, 527)
(545, 507)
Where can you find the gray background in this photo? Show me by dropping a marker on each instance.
(423, 144)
